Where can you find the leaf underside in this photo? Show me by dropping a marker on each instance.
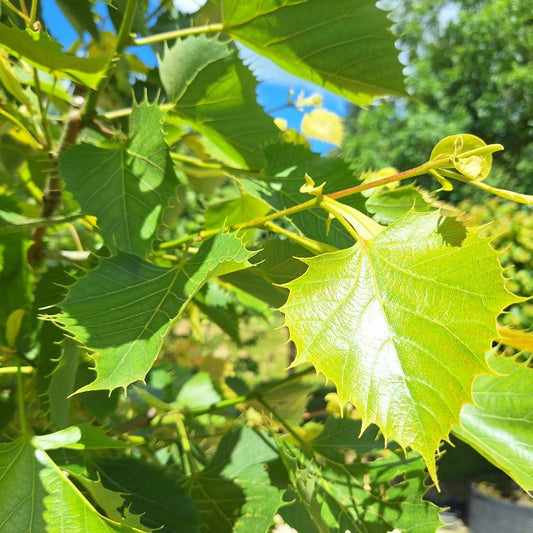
(346, 47)
(401, 325)
(500, 425)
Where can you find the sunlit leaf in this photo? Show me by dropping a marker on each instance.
(401, 325)
(500, 425)
(39, 49)
(323, 125)
(123, 308)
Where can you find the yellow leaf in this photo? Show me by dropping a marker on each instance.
(323, 125)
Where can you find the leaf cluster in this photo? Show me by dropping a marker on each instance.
(161, 239)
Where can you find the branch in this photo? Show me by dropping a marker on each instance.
(176, 34)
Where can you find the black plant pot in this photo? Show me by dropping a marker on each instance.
(490, 514)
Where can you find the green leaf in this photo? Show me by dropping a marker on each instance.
(111, 502)
(123, 308)
(77, 514)
(21, 504)
(159, 495)
(273, 265)
(80, 437)
(235, 492)
(286, 167)
(215, 93)
(362, 317)
(38, 496)
(80, 16)
(223, 314)
(345, 47)
(61, 381)
(388, 205)
(359, 484)
(198, 391)
(40, 50)
(242, 208)
(127, 188)
(500, 425)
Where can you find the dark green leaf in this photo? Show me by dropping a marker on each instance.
(345, 46)
(359, 484)
(215, 93)
(122, 309)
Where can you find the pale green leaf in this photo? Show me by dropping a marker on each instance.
(40, 50)
(21, 504)
(500, 425)
(128, 187)
(243, 208)
(198, 391)
(348, 487)
(323, 125)
(215, 93)
(80, 437)
(388, 205)
(401, 323)
(123, 308)
(345, 46)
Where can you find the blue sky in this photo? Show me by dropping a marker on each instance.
(272, 91)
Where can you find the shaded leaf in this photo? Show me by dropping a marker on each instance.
(128, 187)
(215, 93)
(77, 513)
(287, 165)
(362, 317)
(388, 205)
(359, 484)
(158, 495)
(39, 49)
(500, 425)
(123, 308)
(235, 492)
(345, 47)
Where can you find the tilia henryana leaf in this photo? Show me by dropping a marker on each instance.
(123, 308)
(215, 93)
(38, 496)
(40, 50)
(345, 46)
(126, 187)
(500, 425)
(401, 324)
